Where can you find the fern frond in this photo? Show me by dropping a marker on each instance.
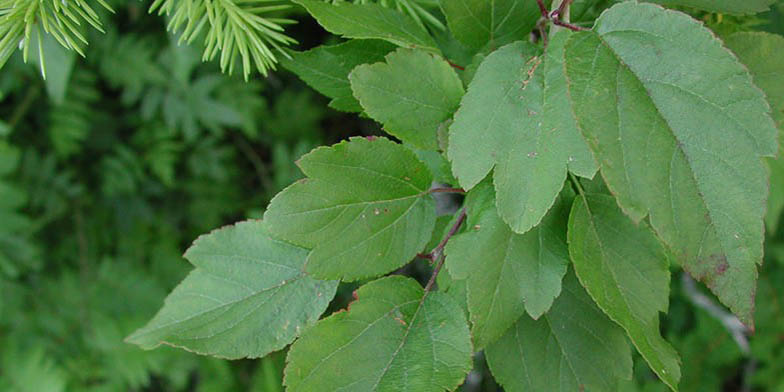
(234, 27)
(70, 121)
(23, 20)
(419, 10)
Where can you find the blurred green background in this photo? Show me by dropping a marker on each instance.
(115, 163)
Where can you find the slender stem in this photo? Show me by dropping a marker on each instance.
(447, 190)
(27, 102)
(456, 66)
(576, 183)
(438, 252)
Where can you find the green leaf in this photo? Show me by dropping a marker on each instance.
(507, 273)
(326, 68)
(724, 6)
(370, 21)
(763, 55)
(573, 347)
(411, 105)
(625, 270)
(479, 23)
(516, 118)
(364, 208)
(60, 60)
(247, 297)
(678, 129)
(395, 337)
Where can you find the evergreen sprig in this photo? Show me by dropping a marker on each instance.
(234, 27)
(23, 20)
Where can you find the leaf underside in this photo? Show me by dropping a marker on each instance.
(247, 297)
(678, 130)
(389, 339)
(573, 347)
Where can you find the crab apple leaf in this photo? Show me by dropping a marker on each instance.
(248, 296)
(678, 130)
(411, 105)
(479, 23)
(394, 337)
(326, 68)
(516, 117)
(763, 54)
(573, 347)
(625, 270)
(370, 21)
(724, 6)
(507, 273)
(364, 208)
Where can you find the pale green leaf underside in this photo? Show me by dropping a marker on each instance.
(477, 23)
(507, 273)
(370, 21)
(678, 130)
(726, 6)
(624, 269)
(326, 68)
(516, 117)
(573, 347)
(364, 208)
(388, 340)
(763, 54)
(247, 297)
(411, 93)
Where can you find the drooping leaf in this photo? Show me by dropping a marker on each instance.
(573, 347)
(763, 54)
(678, 129)
(247, 297)
(364, 208)
(326, 68)
(516, 117)
(411, 105)
(624, 269)
(507, 273)
(370, 21)
(725, 6)
(394, 337)
(477, 23)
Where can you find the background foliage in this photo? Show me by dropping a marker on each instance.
(111, 167)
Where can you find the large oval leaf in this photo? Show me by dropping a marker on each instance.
(247, 297)
(395, 337)
(679, 130)
(516, 118)
(364, 208)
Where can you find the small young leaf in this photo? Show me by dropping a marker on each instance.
(573, 347)
(724, 6)
(364, 208)
(370, 21)
(507, 273)
(624, 268)
(247, 297)
(477, 23)
(326, 68)
(678, 129)
(411, 105)
(516, 117)
(390, 339)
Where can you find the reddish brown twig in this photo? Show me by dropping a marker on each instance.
(438, 252)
